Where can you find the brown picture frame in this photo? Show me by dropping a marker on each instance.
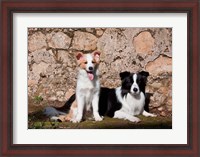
(8, 7)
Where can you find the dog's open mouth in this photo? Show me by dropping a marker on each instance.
(90, 75)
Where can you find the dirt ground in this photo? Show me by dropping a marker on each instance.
(37, 120)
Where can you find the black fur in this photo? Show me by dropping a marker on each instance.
(106, 100)
(56, 111)
(124, 74)
(67, 105)
(127, 81)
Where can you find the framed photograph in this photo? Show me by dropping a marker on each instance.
(103, 78)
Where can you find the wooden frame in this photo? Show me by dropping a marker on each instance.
(191, 7)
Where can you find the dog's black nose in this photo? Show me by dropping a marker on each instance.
(135, 89)
(90, 68)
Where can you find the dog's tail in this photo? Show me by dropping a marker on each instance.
(56, 111)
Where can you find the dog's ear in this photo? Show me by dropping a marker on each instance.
(97, 55)
(79, 55)
(144, 73)
(124, 74)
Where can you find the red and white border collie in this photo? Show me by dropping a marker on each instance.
(87, 90)
(88, 86)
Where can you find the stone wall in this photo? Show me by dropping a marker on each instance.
(52, 65)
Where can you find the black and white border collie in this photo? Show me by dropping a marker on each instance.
(124, 102)
(128, 100)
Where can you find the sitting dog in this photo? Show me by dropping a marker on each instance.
(87, 89)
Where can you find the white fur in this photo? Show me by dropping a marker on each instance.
(135, 85)
(89, 59)
(87, 92)
(132, 104)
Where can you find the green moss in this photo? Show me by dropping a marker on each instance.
(38, 125)
(38, 99)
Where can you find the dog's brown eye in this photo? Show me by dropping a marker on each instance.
(85, 62)
(93, 62)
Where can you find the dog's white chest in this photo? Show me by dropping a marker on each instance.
(136, 103)
(84, 83)
(87, 89)
(87, 86)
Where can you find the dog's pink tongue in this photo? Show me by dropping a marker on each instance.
(91, 76)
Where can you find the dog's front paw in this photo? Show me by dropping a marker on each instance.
(153, 115)
(98, 118)
(135, 120)
(147, 114)
(76, 120)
